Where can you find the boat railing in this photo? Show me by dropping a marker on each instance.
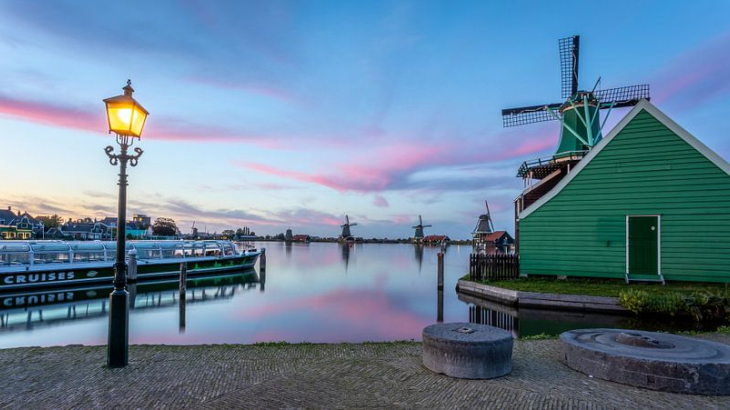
(30, 253)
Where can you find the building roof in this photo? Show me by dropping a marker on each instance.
(300, 237)
(7, 215)
(656, 113)
(496, 235)
(435, 238)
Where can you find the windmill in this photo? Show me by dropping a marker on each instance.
(578, 115)
(483, 229)
(418, 237)
(346, 234)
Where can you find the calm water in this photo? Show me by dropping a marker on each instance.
(319, 292)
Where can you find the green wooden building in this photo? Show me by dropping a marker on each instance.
(647, 202)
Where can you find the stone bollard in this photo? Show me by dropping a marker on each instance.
(467, 350)
(440, 256)
(132, 266)
(262, 260)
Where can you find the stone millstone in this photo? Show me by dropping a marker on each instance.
(656, 361)
(467, 350)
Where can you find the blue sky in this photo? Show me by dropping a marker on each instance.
(276, 114)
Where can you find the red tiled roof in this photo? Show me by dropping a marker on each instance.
(435, 238)
(494, 236)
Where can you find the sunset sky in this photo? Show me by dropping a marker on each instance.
(273, 114)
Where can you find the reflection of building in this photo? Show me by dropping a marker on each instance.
(345, 254)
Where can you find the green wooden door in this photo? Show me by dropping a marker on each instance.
(643, 245)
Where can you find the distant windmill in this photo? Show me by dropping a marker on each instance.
(346, 234)
(418, 237)
(578, 115)
(484, 224)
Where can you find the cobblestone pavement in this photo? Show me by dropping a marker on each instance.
(383, 375)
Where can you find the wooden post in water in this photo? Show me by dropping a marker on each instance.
(183, 288)
(440, 307)
(132, 266)
(262, 260)
(440, 256)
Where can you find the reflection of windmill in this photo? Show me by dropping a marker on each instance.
(581, 126)
(419, 255)
(346, 255)
(346, 234)
(418, 237)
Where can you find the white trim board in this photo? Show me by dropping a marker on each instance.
(656, 113)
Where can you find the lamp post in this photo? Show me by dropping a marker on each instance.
(126, 119)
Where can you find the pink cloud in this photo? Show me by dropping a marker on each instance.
(697, 76)
(389, 167)
(49, 114)
(380, 201)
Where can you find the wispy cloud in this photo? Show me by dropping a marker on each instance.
(380, 201)
(697, 76)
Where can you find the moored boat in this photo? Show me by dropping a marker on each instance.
(37, 264)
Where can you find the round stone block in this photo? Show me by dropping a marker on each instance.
(467, 350)
(656, 361)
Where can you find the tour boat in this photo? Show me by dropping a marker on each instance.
(35, 264)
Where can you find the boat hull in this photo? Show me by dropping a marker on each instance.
(55, 275)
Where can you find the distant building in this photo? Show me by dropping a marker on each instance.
(288, 236)
(301, 238)
(19, 226)
(497, 242)
(83, 231)
(142, 221)
(435, 239)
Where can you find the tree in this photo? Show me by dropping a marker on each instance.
(228, 233)
(164, 227)
(53, 221)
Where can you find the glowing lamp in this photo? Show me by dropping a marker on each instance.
(126, 116)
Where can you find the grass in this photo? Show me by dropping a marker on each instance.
(597, 287)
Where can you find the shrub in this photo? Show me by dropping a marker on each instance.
(704, 305)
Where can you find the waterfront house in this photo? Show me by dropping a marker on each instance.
(301, 238)
(500, 242)
(19, 226)
(648, 202)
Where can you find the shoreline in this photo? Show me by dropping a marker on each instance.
(554, 301)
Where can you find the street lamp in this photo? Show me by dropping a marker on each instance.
(126, 119)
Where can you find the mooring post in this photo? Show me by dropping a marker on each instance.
(262, 260)
(183, 277)
(182, 311)
(440, 307)
(440, 256)
(132, 266)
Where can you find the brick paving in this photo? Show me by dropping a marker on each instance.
(383, 375)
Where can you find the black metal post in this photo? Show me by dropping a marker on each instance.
(118, 344)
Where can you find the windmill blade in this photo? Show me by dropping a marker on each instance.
(355, 224)
(569, 51)
(512, 117)
(622, 96)
(427, 226)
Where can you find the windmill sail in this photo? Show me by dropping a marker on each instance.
(569, 52)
